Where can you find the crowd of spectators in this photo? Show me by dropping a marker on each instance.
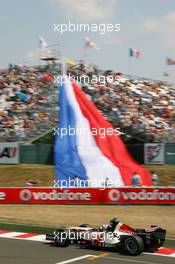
(141, 108)
(25, 102)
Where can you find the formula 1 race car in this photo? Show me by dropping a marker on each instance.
(116, 235)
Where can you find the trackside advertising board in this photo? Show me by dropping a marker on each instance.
(87, 196)
(9, 153)
(154, 153)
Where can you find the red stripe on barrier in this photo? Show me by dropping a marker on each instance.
(129, 195)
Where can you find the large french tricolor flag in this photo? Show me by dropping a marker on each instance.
(82, 153)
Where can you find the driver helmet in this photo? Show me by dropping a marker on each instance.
(113, 222)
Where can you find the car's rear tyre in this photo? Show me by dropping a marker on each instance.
(61, 239)
(133, 245)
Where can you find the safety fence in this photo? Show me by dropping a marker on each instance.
(149, 153)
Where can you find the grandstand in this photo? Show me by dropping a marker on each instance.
(27, 103)
(143, 109)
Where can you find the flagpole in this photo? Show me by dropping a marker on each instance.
(129, 66)
(84, 53)
(63, 61)
(39, 55)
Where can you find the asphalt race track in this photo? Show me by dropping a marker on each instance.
(13, 251)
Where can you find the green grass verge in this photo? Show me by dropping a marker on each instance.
(46, 230)
(169, 243)
(26, 228)
(18, 175)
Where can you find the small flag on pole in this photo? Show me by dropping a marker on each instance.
(43, 43)
(166, 74)
(45, 51)
(70, 62)
(90, 44)
(170, 61)
(134, 53)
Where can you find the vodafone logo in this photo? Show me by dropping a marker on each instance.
(25, 195)
(2, 196)
(114, 195)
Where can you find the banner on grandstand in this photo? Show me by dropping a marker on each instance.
(90, 156)
(9, 153)
(154, 153)
(130, 195)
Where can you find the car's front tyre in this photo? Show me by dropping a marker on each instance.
(61, 239)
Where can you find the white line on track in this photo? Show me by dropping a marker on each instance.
(131, 260)
(74, 259)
